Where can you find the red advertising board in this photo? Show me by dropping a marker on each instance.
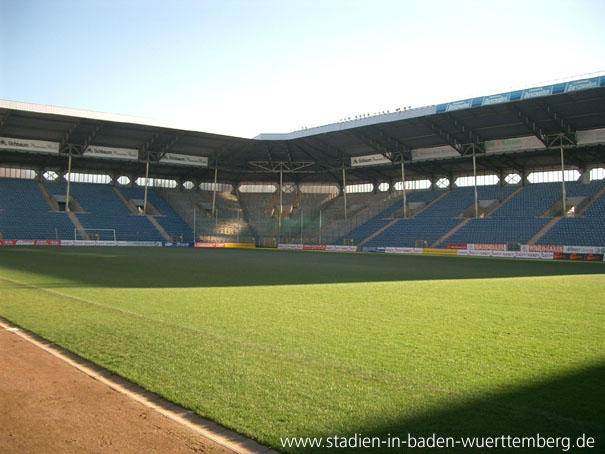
(458, 246)
(210, 245)
(314, 247)
(578, 257)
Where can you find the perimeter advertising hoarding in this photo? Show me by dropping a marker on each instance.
(32, 146)
(184, 160)
(506, 254)
(177, 244)
(210, 245)
(564, 249)
(333, 248)
(461, 246)
(317, 247)
(94, 151)
(540, 248)
(403, 250)
(291, 247)
(314, 247)
(226, 245)
(486, 247)
(578, 257)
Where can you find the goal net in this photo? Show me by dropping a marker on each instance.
(95, 234)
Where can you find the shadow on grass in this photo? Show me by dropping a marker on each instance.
(164, 268)
(568, 406)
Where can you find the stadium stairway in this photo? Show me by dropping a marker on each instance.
(73, 218)
(509, 197)
(534, 239)
(129, 205)
(430, 204)
(450, 233)
(151, 219)
(591, 201)
(377, 232)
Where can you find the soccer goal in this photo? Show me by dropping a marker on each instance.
(95, 234)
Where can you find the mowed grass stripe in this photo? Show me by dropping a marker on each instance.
(330, 355)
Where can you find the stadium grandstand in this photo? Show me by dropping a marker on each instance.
(523, 168)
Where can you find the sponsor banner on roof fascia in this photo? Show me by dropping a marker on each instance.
(496, 99)
(94, 151)
(369, 160)
(565, 87)
(583, 84)
(185, 160)
(33, 146)
(514, 144)
(592, 136)
(445, 151)
(457, 105)
(536, 92)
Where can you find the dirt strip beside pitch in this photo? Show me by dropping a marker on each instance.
(54, 402)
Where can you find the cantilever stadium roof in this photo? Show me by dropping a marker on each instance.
(434, 141)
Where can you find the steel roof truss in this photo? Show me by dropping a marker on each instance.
(530, 123)
(563, 124)
(69, 133)
(281, 166)
(3, 119)
(445, 136)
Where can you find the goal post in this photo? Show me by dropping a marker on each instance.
(95, 234)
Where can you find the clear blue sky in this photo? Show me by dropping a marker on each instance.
(246, 67)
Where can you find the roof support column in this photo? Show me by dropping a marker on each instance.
(68, 181)
(281, 207)
(564, 192)
(344, 190)
(146, 184)
(475, 184)
(405, 207)
(214, 189)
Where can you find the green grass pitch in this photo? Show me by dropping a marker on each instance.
(277, 343)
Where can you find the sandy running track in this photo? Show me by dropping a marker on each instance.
(48, 406)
